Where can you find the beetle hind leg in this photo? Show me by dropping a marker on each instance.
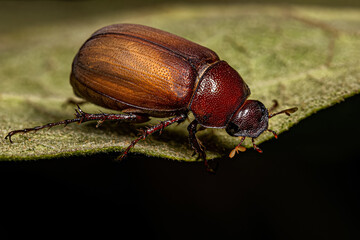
(150, 130)
(81, 117)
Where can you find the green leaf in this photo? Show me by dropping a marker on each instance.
(301, 56)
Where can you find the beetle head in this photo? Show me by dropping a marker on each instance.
(250, 120)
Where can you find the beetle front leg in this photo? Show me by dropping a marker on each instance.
(255, 146)
(196, 144)
(81, 117)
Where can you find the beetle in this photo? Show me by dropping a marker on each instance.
(146, 72)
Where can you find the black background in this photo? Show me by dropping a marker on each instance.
(304, 186)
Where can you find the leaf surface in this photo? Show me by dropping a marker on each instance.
(307, 57)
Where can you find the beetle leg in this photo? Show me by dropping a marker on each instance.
(194, 141)
(150, 130)
(81, 117)
(255, 146)
(196, 144)
(273, 132)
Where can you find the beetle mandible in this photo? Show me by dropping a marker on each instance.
(145, 72)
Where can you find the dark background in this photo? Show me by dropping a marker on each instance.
(304, 186)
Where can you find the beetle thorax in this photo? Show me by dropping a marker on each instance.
(220, 92)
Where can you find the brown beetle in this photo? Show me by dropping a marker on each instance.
(145, 72)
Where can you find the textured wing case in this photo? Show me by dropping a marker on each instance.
(133, 66)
